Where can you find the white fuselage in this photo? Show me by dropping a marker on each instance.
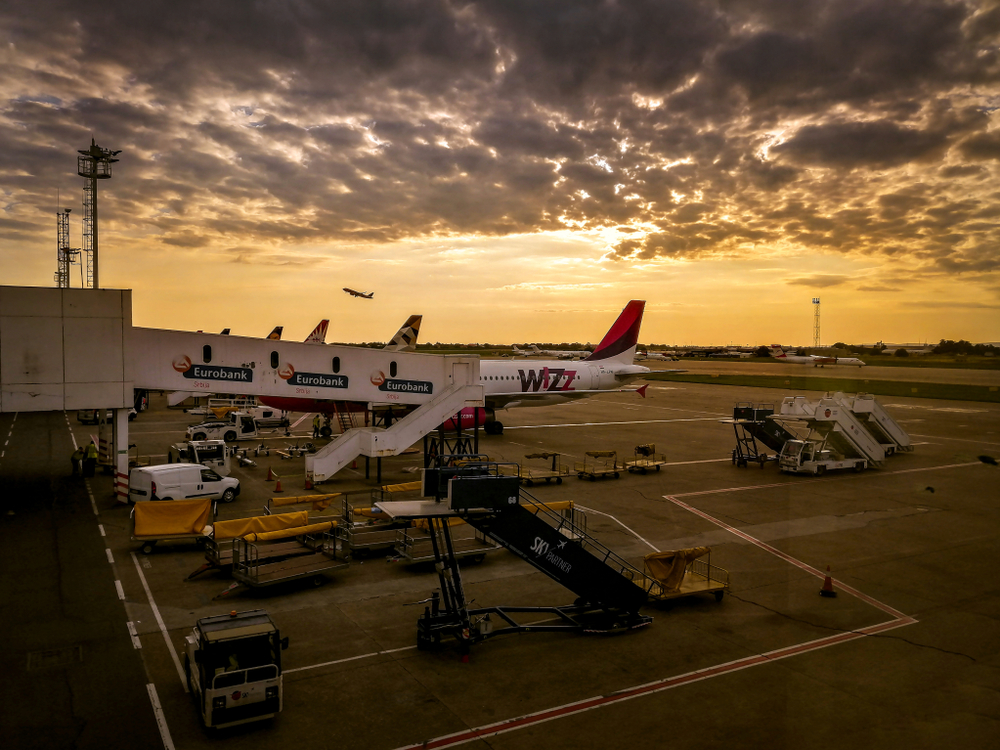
(544, 382)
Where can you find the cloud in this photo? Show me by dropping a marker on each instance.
(679, 129)
(820, 281)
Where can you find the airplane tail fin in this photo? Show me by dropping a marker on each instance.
(535, 349)
(224, 332)
(318, 335)
(776, 350)
(276, 333)
(619, 343)
(405, 339)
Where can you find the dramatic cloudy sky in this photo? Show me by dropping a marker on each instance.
(517, 170)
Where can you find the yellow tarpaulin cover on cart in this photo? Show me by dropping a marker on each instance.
(404, 487)
(172, 518)
(242, 526)
(557, 505)
(319, 502)
(270, 536)
(668, 567)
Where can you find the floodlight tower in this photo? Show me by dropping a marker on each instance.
(816, 321)
(94, 164)
(64, 253)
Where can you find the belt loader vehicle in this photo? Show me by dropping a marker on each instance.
(233, 667)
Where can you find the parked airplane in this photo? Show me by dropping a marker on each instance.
(318, 335)
(521, 352)
(356, 293)
(558, 353)
(660, 356)
(609, 368)
(812, 359)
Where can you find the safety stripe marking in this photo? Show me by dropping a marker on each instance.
(161, 720)
(136, 643)
(100, 527)
(159, 622)
(120, 590)
(111, 558)
(349, 658)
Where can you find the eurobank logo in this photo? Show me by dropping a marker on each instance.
(315, 379)
(217, 372)
(405, 386)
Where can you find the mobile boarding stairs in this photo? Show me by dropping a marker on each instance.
(609, 590)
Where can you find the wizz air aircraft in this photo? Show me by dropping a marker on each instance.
(812, 359)
(509, 384)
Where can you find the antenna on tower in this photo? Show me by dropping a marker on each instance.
(94, 164)
(65, 254)
(816, 321)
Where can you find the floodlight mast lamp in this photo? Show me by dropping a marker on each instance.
(816, 321)
(93, 164)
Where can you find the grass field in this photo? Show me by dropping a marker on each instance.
(944, 391)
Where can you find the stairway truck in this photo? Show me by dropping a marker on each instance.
(812, 457)
(233, 668)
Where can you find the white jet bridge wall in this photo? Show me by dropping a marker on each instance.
(64, 349)
(212, 363)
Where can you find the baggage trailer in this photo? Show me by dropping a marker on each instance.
(646, 458)
(680, 573)
(313, 553)
(529, 474)
(598, 464)
(415, 545)
(172, 521)
(364, 529)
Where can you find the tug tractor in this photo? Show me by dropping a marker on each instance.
(233, 667)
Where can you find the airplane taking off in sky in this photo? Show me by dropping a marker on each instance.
(559, 353)
(356, 293)
(812, 359)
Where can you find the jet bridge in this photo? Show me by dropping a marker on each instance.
(837, 426)
(608, 595)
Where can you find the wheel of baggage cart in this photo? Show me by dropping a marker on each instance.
(820, 470)
(318, 580)
(558, 480)
(580, 475)
(528, 483)
(762, 460)
(476, 559)
(734, 455)
(718, 595)
(616, 475)
(147, 548)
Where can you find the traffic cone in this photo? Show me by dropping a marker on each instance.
(354, 464)
(270, 475)
(827, 589)
(309, 484)
(277, 485)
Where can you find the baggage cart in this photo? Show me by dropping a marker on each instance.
(415, 545)
(598, 464)
(646, 458)
(680, 573)
(172, 521)
(550, 469)
(259, 561)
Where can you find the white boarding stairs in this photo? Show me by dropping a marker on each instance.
(381, 441)
(839, 426)
(876, 420)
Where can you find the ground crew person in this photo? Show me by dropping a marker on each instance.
(77, 460)
(90, 460)
(316, 424)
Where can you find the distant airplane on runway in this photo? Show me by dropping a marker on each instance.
(559, 353)
(356, 293)
(661, 356)
(812, 359)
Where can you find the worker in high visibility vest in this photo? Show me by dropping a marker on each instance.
(316, 425)
(90, 459)
(77, 461)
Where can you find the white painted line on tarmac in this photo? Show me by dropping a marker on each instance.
(961, 440)
(111, 558)
(630, 531)
(136, 643)
(161, 720)
(608, 424)
(120, 590)
(100, 527)
(159, 622)
(349, 658)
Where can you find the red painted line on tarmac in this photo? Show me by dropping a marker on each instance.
(650, 688)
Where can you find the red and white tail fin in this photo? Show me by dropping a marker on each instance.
(276, 333)
(618, 345)
(777, 352)
(318, 335)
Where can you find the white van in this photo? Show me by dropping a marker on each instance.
(180, 482)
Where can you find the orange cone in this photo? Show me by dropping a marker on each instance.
(277, 485)
(354, 464)
(270, 475)
(309, 484)
(827, 589)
